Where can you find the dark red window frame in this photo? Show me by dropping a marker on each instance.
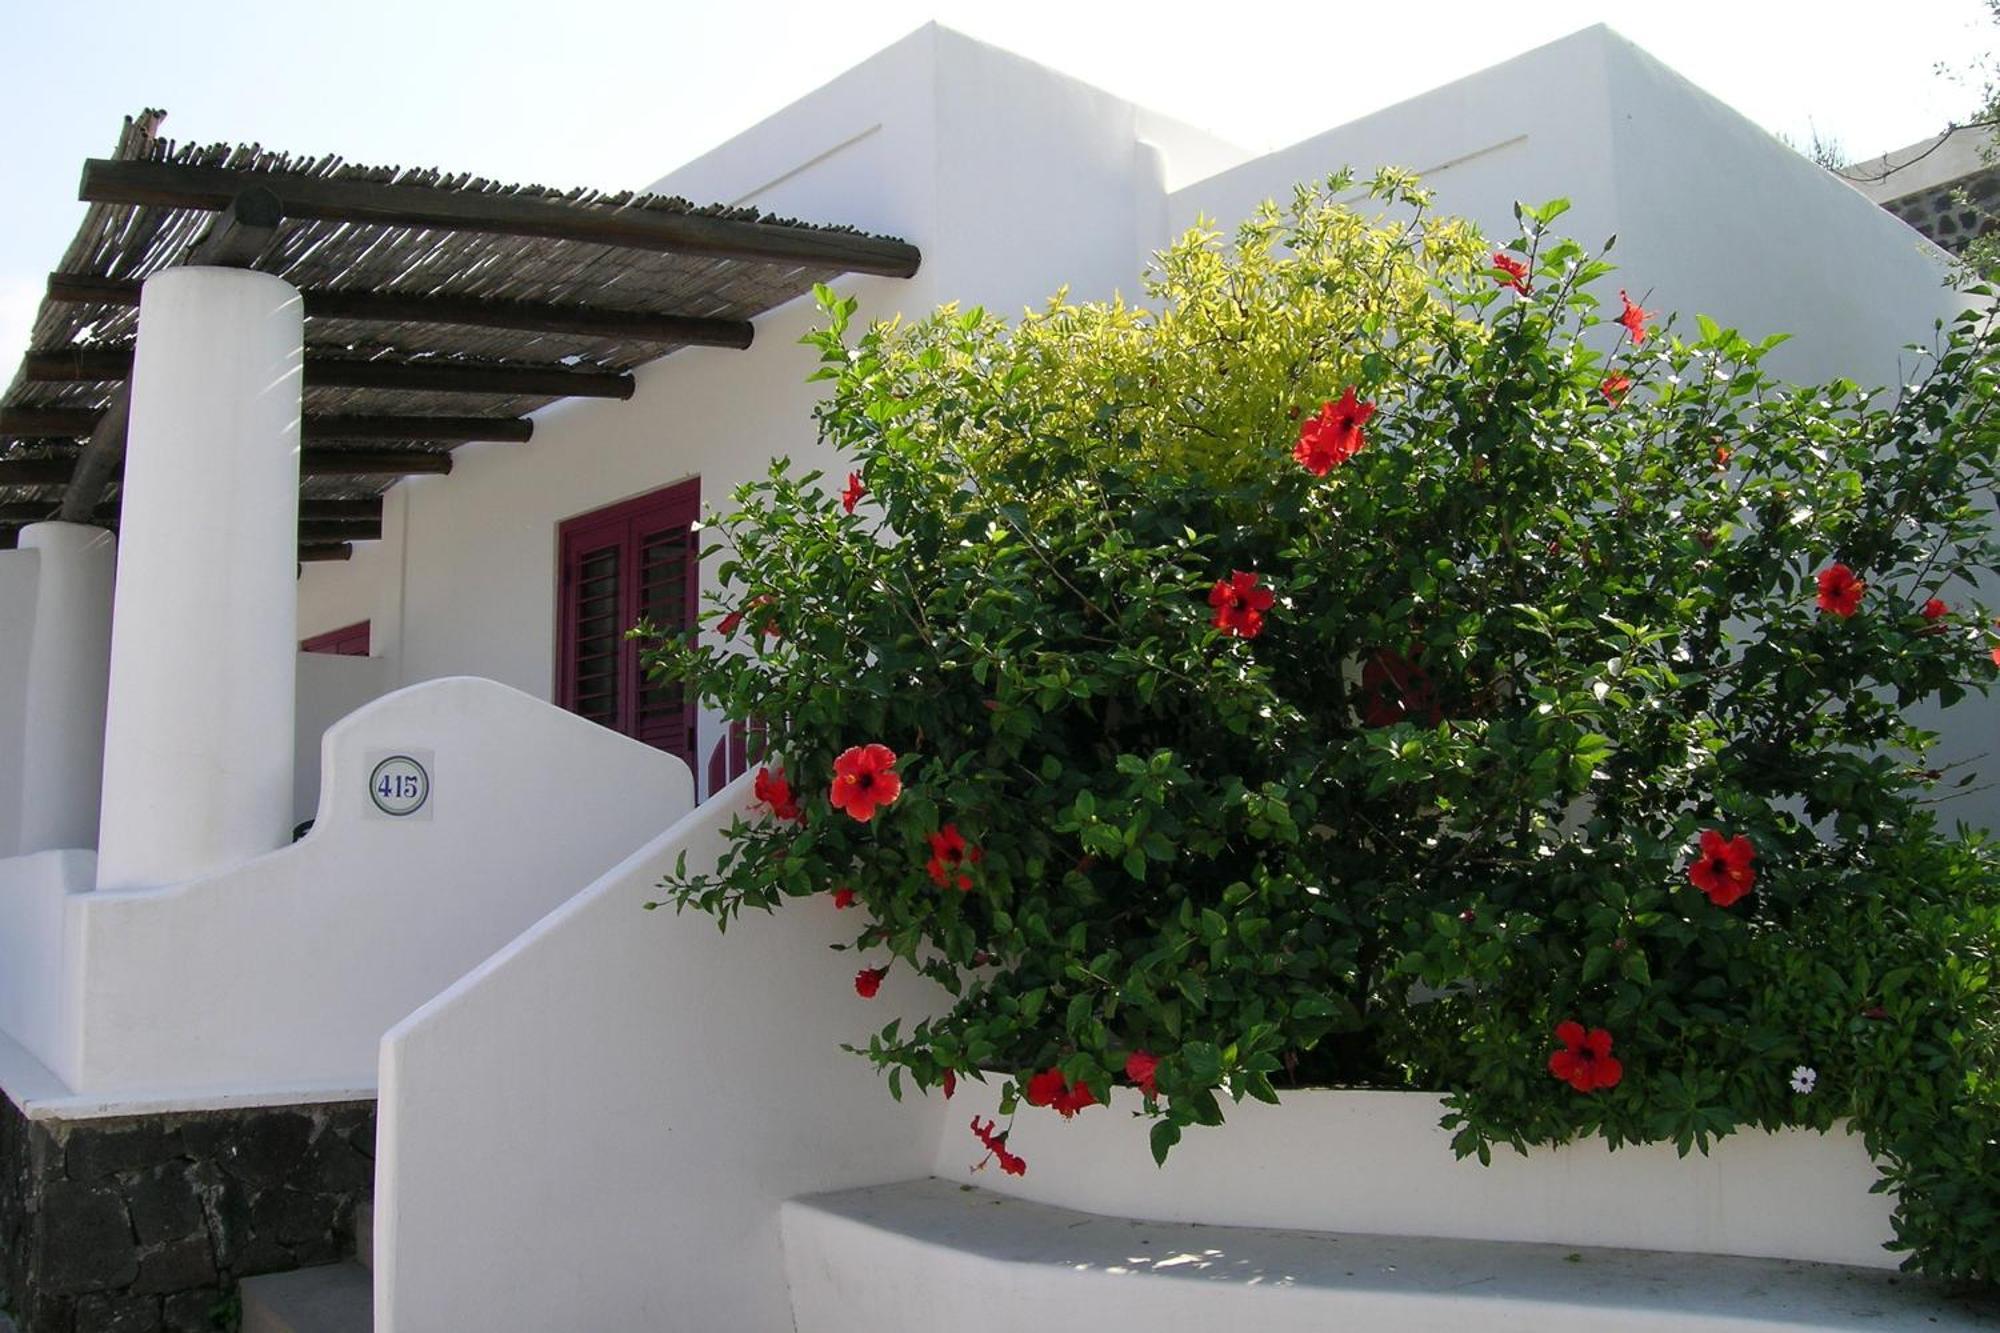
(347, 641)
(638, 559)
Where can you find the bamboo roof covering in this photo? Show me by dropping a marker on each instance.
(440, 308)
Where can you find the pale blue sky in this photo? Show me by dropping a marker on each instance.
(596, 92)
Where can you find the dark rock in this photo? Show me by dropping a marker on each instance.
(268, 1148)
(292, 1217)
(166, 1205)
(176, 1267)
(190, 1311)
(118, 1314)
(99, 1150)
(85, 1241)
(241, 1246)
(337, 1167)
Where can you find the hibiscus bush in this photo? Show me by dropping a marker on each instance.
(1383, 659)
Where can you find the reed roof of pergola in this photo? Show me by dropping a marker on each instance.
(440, 309)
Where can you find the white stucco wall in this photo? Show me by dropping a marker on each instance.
(1010, 177)
(38, 949)
(595, 1129)
(330, 687)
(285, 971)
(1377, 1163)
(18, 582)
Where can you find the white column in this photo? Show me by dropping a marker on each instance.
(69, 662)
(198, 732)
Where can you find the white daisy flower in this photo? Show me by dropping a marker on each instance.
(1804, 1079)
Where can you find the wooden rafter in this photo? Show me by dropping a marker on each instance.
(33, 423)
(312, 463)
(581, 321)
(108, 364)
(175, 185)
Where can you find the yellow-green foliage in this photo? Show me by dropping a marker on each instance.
(1206, 380)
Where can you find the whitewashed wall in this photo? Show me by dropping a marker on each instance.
(38, 949)
(1377, 1163)
(595, 1128)
(18, 570)
(1011, 178)
(286, 971)
(329, 688)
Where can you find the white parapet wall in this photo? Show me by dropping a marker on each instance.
(595, 1129)
(1377, 1163)
(283, 973)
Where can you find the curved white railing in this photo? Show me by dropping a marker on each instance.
(286, 971)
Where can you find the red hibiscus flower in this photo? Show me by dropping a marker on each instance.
(995, 1144)
(852, 495)
(950, 1083)
(1395, 689)
(1516, 271)
(864, 780)
(950, 854)
(1723, 870)
(1585, 1062)
(772, 789)
(1240, 605)
(1334, 435)
(1049, 1088)
(1614, 388)
(1634, 319)
(1839, 591)
(1722, 456)
(843, 898)
(727, 625)
(1935, 609)
(1140, 1067)
(869, 980)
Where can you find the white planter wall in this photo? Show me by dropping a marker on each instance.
(1377, 1163)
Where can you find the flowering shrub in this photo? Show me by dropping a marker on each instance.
(1375, 663)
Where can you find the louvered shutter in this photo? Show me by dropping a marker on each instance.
(634, 561)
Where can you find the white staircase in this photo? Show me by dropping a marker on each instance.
(327, 1298)
(930, 1254)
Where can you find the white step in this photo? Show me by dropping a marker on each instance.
(328, 1298)
(931, 1254)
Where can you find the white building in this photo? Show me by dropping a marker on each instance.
(588, 1117)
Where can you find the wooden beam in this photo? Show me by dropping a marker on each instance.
(353, 511)
(352, 516)
(178, 185)
(371, 463)
(582, 321)
(325, 551)
(241, 232)
(75, 423)
(73, 365)
(30, 423)
(529, 317)
(36, 471)
(324, 530)
(433, 430)
(102, 458)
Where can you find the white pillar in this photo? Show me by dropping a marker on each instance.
(198, 732)
(69, 662)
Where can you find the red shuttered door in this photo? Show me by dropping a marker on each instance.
(634, 561)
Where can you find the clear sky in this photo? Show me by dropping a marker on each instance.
(613, 94)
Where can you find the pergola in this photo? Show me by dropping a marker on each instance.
(440, 309)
